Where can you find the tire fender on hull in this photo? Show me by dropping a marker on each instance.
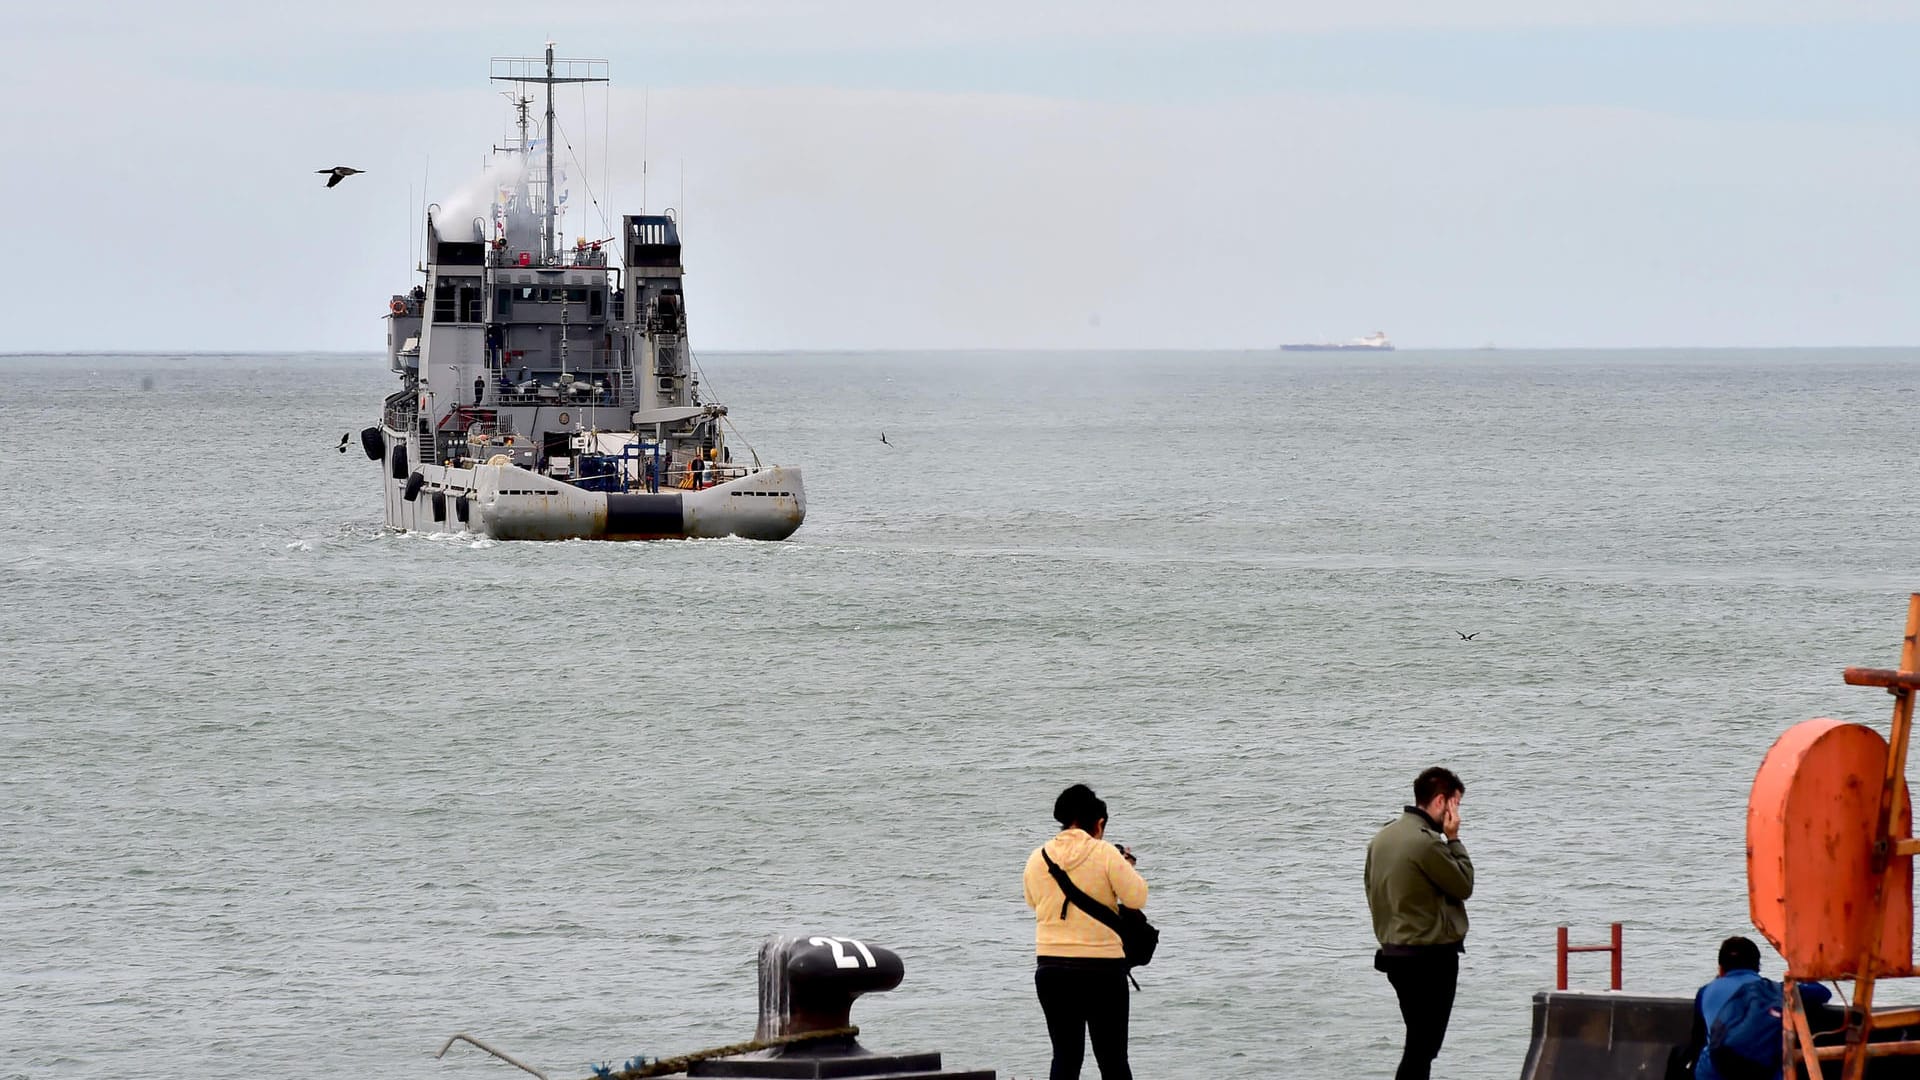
(374, 443)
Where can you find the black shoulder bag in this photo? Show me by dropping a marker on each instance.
(1138, 937)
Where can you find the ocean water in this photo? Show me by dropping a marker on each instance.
(285, 794)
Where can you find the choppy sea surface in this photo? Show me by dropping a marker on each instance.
(285, 794)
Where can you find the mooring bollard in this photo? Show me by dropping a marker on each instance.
(808, 985)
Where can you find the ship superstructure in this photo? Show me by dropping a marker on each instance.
(548, 392)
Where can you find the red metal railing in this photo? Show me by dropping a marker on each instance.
(1561, 949)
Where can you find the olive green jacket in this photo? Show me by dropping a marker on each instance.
(1418, 882)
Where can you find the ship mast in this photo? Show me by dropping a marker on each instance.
(547, 239)
(521, 107)
(520, 71)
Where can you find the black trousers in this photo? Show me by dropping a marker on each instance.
(1082, 999)
(1424, 982)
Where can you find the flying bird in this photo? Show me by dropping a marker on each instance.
(338, 173)
(343, 443)
(1463, 637)
(883, 438)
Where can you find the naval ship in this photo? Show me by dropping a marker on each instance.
(548, 392)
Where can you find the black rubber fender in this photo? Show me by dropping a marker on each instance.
(460, 508)
(414, 483)
(400, 462)
(650, 516)
(374, 443)
(439, 506)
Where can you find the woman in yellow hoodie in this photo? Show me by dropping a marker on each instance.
(1081, 975)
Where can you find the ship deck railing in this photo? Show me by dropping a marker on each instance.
(686, 478)
(678, 478)
(604, 399)
(506, 258)
(605, 367)
(580, 360)
(402, 409)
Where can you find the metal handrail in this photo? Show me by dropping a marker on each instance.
(579, 358)
(1561, 949)
(402, 409)
(506, 258)
(610, 399)
(609, 366)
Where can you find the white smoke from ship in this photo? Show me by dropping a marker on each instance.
(478, 199)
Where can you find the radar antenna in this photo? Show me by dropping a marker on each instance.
(526, 71)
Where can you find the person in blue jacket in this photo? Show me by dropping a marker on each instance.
(1739, 964)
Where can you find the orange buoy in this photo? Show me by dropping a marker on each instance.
(1811, 821)
(398, 307)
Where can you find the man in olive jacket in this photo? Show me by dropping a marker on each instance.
(1418, 880)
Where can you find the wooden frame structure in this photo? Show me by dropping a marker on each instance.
(1797, 1037)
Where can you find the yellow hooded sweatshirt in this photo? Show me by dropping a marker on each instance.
(1102, 873)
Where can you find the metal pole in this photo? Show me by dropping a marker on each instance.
(547, 241)
(1616, 956)
(1560, 959)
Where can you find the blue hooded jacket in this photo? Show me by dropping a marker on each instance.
(1713, 997)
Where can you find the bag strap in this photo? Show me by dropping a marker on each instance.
(1100, 912)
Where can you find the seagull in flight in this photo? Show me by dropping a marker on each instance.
(338, 173)
(343, 443)
(1463, 637)
(883, 438)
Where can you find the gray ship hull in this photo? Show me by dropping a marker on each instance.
(506, 502)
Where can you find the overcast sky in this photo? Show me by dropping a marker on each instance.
(1074, 173)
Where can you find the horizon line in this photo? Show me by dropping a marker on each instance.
(956, 349)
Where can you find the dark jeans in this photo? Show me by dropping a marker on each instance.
(1085, 998)
(1424, 982)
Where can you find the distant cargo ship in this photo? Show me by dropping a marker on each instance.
(1374, 342)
